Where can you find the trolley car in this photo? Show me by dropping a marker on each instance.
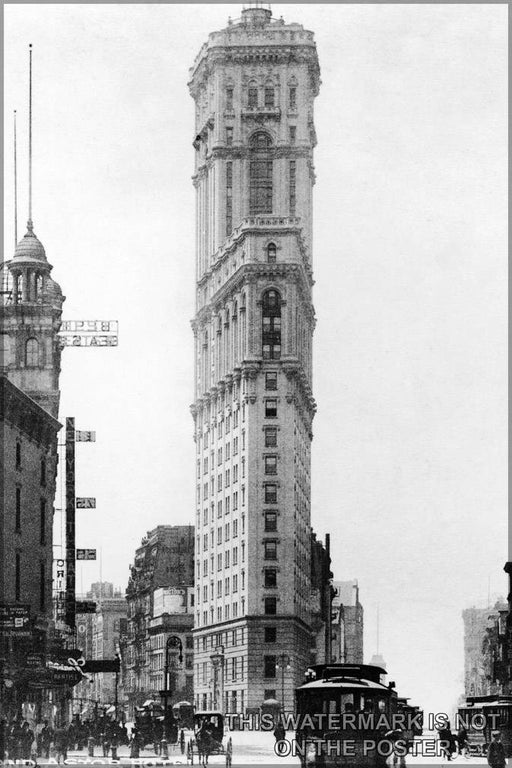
(480, 716)
(208, 738)
(345, 717)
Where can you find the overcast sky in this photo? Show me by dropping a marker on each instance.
(409, 452)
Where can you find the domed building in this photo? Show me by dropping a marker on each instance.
(30, 319)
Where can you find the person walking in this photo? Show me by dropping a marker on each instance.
(27, 737)
(61, 743)
(44, 740)
(462, 741)
(496, 752)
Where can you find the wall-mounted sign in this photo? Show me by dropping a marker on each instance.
(89, 326)
(89, 341)
(89, 333)
(86, 554)
(81, 436)
(85, 502)
(85, 606)
(14, 620)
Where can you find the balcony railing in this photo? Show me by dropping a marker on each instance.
(273, 113)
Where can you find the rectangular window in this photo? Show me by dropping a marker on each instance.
(270, 520)
(219, 535)
(293, 198)
(235, 555)
(226, 586)
(252, 97)
(229, 99)
(271, 380)
(229, 189)
(235, 473)
(219, 562)
(270, 549)
(270, 437)
(270, 408)
(219, 482)
(292, 97)
(227, 532)
(228, 448)
(271, 465)
(235, 528)
(18, 509)
(270, 606)
(228, 477)
(269, 97)
(270, 634)
(219, 508)
(205, 541)
(260, 174)
(226, 559)
(205, 465)
(293, 134)
(270, 493)
(270, 577)
(17, 577)
(235, 584)
(219, 456)
(235, 445)
(42, 587)
(269, 666)
(235, 501)
(42, 522)
(227, 505)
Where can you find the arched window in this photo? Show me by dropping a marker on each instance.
(271, 253)
(31, 352)
(260, 174)
(271, 325)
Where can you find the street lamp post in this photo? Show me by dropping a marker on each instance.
(173, 641)
(283, 662)
(217, 659)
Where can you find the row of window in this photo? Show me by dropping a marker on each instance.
(224, 559)
(268, 93)
(229, 612)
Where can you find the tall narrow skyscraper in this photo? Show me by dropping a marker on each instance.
(254, 84)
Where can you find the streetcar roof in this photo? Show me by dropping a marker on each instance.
(344, 683)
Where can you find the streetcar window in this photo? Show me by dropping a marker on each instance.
(346, 702)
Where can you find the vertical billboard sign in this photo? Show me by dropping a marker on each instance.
(70, 523)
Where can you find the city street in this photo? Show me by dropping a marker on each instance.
(249, 748)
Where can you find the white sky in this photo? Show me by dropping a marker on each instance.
(409, 454)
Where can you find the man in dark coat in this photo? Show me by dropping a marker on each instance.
(496, 752)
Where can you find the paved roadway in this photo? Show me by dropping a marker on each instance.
(257, 748)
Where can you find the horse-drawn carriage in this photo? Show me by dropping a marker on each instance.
(208, 739)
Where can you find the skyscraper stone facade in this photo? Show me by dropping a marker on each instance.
(254, 85)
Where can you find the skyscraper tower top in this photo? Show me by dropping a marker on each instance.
(283, 43)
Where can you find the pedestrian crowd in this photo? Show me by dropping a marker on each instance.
(19, 740)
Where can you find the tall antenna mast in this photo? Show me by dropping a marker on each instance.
(29, 223)
(15, 188)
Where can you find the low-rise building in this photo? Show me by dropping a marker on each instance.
(165, 559)
(478, 661)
